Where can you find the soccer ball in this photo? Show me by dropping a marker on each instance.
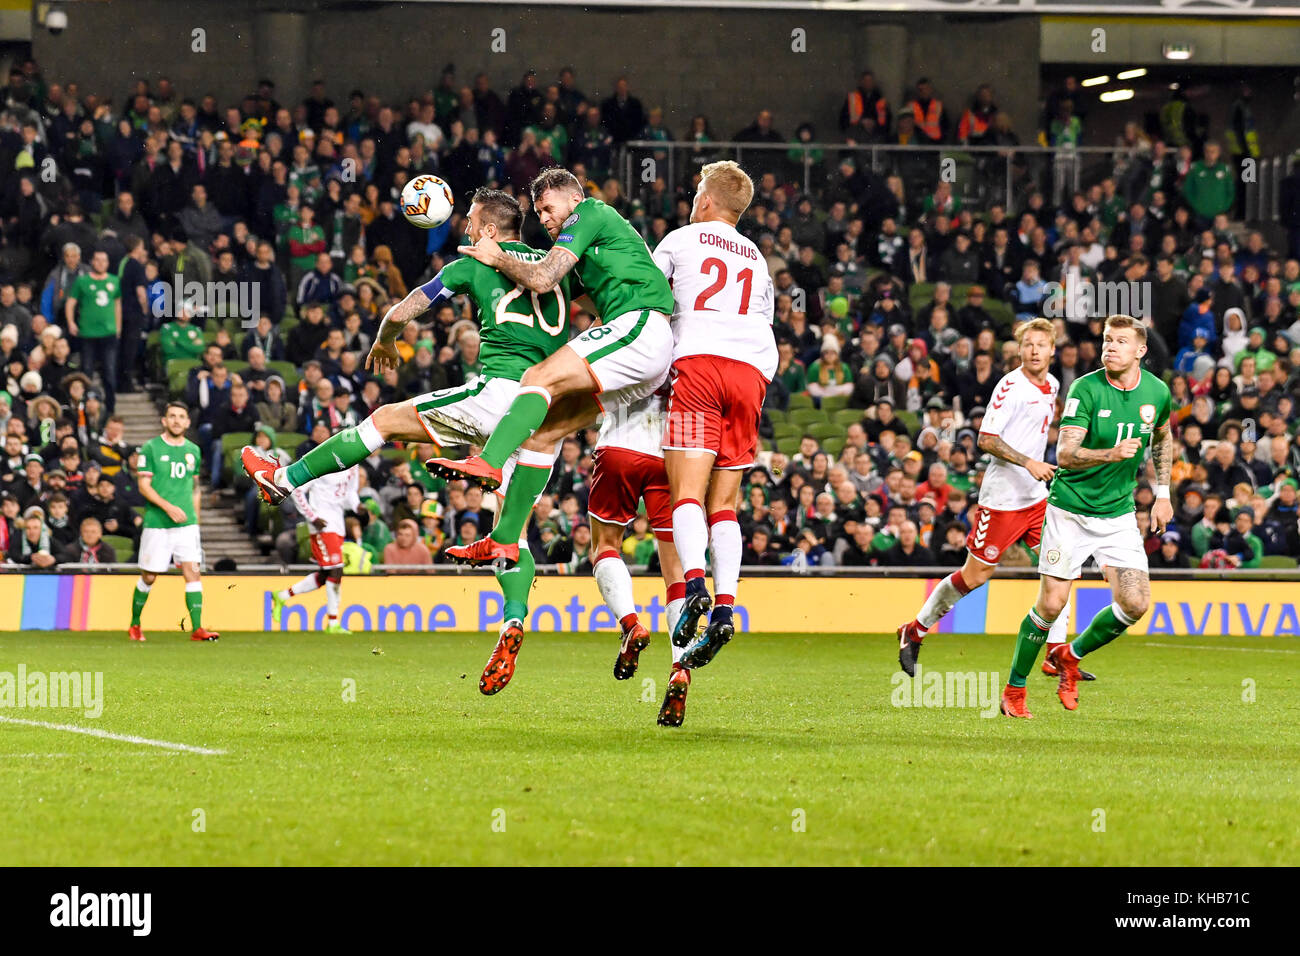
(427, 202)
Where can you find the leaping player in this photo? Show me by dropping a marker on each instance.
(520, 328)
(1013, 496)
(622, 360)
(724, 355)
(321, 504)
(629, 466)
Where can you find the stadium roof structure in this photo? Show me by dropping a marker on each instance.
(1142, 8)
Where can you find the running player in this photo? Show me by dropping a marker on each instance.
(724, 354)
(623, 359)
(1013, 495)
(519, 329)
(1111, 416)
(321, 504)
(629, 467)
(169, 470)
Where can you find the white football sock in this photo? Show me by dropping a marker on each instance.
(305, 586)
(675, 612)
(942, 599)
(690, 535)
(1060, 631)
(333, 590)
(725, 545)
(615, 583)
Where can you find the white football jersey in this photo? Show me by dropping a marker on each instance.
(328, 497)
(1020, 413)
(722, 295)
(636, 426)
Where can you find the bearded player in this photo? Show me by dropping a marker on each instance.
(169, 468)
(724, 354)
(321, 504)
(622, 360)
(519, 329)
(629, 467)
(1111, 417)
(1013, 495)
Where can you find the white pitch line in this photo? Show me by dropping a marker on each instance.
(1212, 647)
(129, 753)
(106, 735)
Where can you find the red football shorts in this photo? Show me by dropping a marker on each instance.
(620, 479)
(995, 531)
(327, 549)
(714, 406)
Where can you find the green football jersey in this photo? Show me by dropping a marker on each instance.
(174, 470)
(1110, 414)
(180, 340)
(96, 311)
(614, 263)
(519, 328)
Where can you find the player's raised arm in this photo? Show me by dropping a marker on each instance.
(534, 276)
(383, 354)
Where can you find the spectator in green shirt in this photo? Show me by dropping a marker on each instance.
(94, 313)
(181, 338)
(550, 129)
(304, 240)
(1203, 530)
(1210, 187)
(828, 375)
(790, 370)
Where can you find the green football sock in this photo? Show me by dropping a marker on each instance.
(194, 601)
(527, 482)
(1033, 632)
(526, 413)
(138, 599)
(336, 453)
(1105, 627)
(515, 585)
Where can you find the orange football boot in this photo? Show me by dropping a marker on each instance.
(501, 665)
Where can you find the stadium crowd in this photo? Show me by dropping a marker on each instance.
(896, 300)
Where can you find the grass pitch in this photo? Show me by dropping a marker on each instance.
(793, 752)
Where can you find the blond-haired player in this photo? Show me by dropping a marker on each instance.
(1013, 496)
(724, 355)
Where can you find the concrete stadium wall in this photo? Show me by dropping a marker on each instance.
(726, 64)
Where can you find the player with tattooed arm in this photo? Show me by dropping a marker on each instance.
(1111, 417)
(1013, 495)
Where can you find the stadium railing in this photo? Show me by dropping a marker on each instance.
(747, 571)
(983, 174)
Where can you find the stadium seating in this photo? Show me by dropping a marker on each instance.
(806, 416)
(909, 421)
(122, 546)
